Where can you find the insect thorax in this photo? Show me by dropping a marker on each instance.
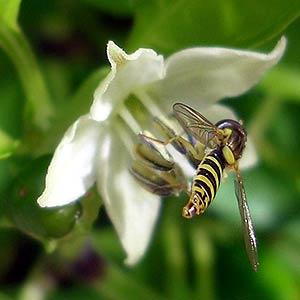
(237, 138)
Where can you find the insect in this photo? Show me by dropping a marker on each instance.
(223, 143)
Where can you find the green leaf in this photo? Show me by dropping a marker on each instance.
(15, 44)
(119, 283)
(283, 82)
(175, 24)
(275, 275)
(7, 145)
(78, 105)
(20, 205)
(4, 297)
(76, 293)
(12, 105)
(9, 10)
(116, 7)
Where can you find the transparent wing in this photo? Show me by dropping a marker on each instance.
(248, 229)
(197, 125)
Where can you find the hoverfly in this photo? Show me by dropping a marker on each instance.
(223, 142)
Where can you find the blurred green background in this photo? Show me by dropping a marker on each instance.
(54, 52)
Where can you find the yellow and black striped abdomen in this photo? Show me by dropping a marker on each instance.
(205, 183)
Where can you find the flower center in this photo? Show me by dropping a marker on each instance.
(138, 111)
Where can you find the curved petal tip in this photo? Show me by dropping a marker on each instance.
(279, 49)
(115, 54)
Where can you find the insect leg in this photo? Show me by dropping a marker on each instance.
(194, 152)
(162, 183)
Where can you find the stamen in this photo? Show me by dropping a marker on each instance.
(148, 103)
(128, 118)
(124, 135)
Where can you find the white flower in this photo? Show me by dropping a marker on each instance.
(96, 148)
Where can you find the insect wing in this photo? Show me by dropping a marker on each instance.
(248, 229)
(196, 125)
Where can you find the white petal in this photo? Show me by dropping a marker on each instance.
(128, 73)
(249, 158)
(133, 210)
(182, 162)
(218, 112)
(72, 169)
(205, 75)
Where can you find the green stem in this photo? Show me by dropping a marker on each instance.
(15, 45)
(176, 260)
(91, 204)
(202, 250)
